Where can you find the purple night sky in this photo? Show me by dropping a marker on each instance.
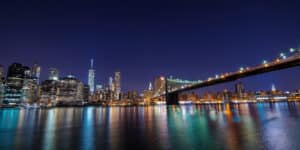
(143, 39)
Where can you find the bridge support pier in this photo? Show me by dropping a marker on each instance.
(172, 99)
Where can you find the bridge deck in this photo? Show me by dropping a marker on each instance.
(273, 66)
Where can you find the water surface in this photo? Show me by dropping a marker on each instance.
(244, 126)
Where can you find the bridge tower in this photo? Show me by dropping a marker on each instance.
(171, 98)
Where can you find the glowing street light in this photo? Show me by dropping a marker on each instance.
(282, 55)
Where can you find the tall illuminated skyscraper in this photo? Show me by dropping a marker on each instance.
(91, 77)
(111, 84)
(36, 72)
(117, 84)
(14, 83)
(150, 88)
(273, 88)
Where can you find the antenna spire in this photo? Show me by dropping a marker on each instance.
(92, 63)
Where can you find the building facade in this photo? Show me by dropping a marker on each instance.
(117, 85)
(53, 74)
(91, 78)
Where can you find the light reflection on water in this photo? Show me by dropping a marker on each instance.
(243, 126)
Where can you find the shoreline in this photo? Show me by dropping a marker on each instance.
(146, 105)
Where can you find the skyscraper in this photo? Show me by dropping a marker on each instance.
(111, 84)
(239, 89)
(91, 77)
(14, 83)
(117, 84)
(1, 73)
(36, 72)
(150, 88)
(53, 74)
(273, 88)
(30, 87)
(1, 83)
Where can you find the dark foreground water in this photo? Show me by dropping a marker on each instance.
(244, 126)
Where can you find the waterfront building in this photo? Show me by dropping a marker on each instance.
(36, 72)
(30, 88)
(117, 85)
(70, 91)
(2, 83)
(2, 90)
(53, 74)
(150, 88)
(111, 84)
(239, 89)
(273, 88)
(131, 95)
(227, 95)
(1, 73)
(91, 77)
(86, 91)
(99, 87)
(48, 92)
(99, 94)
(14, 84)
(148, 94)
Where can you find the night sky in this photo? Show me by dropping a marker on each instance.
(143, 39)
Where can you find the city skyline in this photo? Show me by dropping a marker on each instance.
(136, 74)
(144, 39)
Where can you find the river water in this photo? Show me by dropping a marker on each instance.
(245, 126)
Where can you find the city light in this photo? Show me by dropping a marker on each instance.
(264, 62)
(241, 69)
(282, 55)
(71, 86)
(217, 76)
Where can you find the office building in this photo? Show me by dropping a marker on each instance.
(48, 92)
(117, 85)
(70, 91)
(14, 84)
(91, 77)
(36, 72)
(1, 73)
(239, 89)
(53, 74)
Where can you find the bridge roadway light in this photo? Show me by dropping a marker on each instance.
(241, 69)
(292, 50)
(217, 76)
(222, 76)
(264, 61)
(282, 55)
